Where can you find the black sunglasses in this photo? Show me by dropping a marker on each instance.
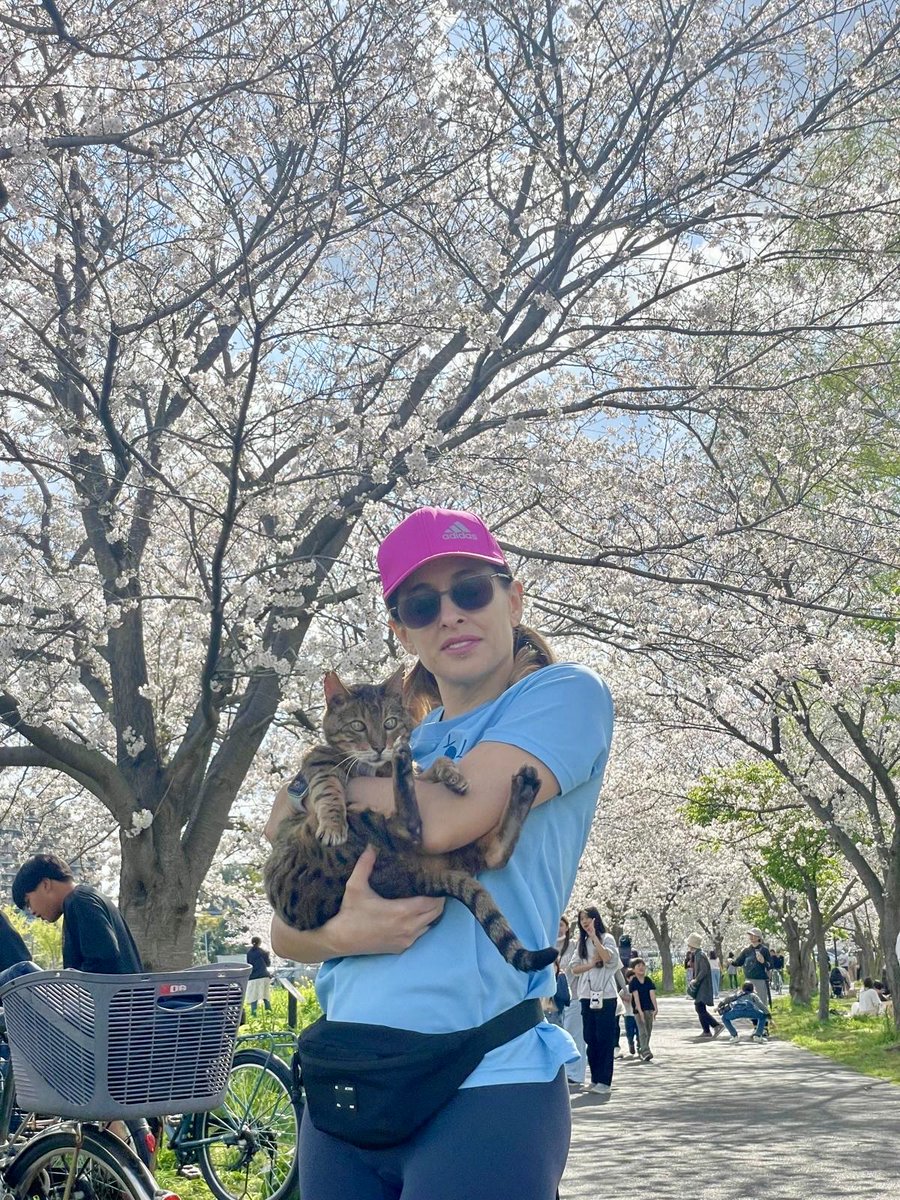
(422, 606)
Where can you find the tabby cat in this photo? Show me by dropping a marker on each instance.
(366, 729)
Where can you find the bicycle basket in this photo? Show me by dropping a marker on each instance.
(105, 1046)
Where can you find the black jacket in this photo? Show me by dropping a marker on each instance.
(95, 937)
(753, 968)
(259, 961)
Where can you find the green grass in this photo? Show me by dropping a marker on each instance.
(275, 1021)
(858, 1042)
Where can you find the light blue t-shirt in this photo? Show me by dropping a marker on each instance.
(453, 977)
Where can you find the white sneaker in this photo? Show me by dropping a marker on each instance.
(732, 1037)
(600, 1089)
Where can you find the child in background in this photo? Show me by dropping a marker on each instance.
(631, 1025)
(646, 1010)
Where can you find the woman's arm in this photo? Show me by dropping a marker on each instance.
(448, 820)
(603, 954)
(281, 808)
(582, 968)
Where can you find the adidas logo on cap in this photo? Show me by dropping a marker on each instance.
(458, 531)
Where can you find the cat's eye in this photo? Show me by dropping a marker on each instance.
(391, 723)
(358, 726)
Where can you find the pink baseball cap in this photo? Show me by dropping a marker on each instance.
(430, 533)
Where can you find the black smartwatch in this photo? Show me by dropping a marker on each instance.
(297, 791)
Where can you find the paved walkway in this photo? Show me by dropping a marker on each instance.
(713, 1120)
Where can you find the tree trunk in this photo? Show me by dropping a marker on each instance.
(798, 964)
(158, 890)
(868, 954)
(660, 932)
(818, 931)
(889, 930)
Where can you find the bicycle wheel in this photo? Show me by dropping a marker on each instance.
(252, 1147)
(104, 1168)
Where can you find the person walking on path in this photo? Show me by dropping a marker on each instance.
(731, 971)
(757, 962)
(700, 988)
(567, 945)
(488, 694)
(746, 1004)
(259, 985)
(646, 1009)
(631, 1027)
(776, 979)
(598, 993)
(95, 937)
(716, 968)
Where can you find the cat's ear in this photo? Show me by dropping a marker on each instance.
(335, 692)
(394, 685)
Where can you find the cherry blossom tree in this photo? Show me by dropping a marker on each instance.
(270, 275)
(645, 862)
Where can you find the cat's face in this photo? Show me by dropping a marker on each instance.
(365, 720)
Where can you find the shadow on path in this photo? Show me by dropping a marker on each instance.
(710, 1120)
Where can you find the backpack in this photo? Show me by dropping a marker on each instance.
(728, 1002)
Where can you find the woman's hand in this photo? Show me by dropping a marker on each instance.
(369, 924)
(366, 923)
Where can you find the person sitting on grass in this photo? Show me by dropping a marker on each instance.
(746, 1005)
(869, 1002)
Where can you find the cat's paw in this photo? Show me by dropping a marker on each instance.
(526, 783)
(402, 758)
(332, 832)
(444, 770)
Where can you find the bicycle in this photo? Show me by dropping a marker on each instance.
(70, 1036)
(49, 1159)
(247, 1145)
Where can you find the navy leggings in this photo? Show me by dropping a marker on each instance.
(507, 1142)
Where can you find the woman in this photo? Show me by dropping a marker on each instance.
(493, 700)
(572, 1022)
(716, 970)
(731, 970)
(688, 967)
(869, 1002)
(701, 989)
(598, 992)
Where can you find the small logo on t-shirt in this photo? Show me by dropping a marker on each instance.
(458, 531)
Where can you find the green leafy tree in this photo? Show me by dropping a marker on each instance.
(43, 940)
(791, 859)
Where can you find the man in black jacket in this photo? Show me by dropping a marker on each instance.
(757, 962)
(95, 937)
